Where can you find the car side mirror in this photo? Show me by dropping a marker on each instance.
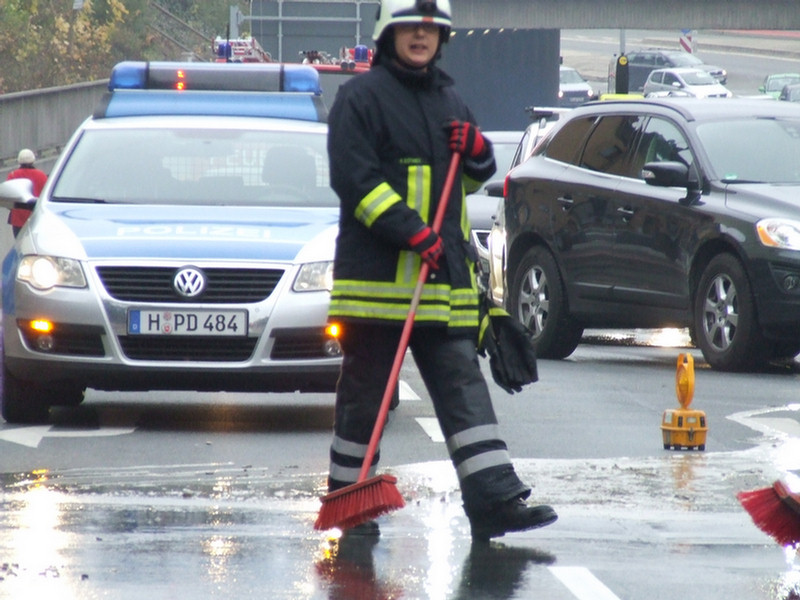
(494, 189)
(666, 174)
(15, 192)
(672, 173)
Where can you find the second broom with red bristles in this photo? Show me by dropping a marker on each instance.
(369, 498)
(776, 510)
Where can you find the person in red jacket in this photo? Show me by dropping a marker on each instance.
(26, 159)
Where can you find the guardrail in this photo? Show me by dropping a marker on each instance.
(43, 120)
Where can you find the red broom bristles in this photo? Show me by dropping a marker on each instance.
(776, 511)
(359, 503)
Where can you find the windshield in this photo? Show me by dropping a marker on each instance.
(698, 78)
(776, 84)
(769, 154)
(570, 76)
(684, 59)
(197, 166)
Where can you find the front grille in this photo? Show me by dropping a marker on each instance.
(297, 344)
(223, 285)
(202, 349)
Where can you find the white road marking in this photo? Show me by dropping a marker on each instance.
(769, 426)
(32, 436)
(406, 393)
(430, 425)
(582, 584)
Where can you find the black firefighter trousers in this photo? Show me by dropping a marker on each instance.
(451, 372)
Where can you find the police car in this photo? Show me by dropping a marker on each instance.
(184, 240)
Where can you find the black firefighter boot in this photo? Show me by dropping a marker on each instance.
(513, 515)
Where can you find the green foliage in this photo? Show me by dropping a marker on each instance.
(47, 43)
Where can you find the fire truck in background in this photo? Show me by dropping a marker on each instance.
(245, 50)
(333, 72)
(356, 59)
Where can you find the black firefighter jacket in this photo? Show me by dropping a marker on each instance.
(389, 156)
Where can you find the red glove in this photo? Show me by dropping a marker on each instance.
(428, 245)
(466, 139)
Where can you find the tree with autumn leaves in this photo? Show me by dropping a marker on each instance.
(47, 43)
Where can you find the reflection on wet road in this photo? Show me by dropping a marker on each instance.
(219, 531)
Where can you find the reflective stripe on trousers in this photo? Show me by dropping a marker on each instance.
(449, 367)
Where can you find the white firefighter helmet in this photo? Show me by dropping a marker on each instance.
(392, 12)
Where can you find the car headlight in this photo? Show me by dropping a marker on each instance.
(779, 233)
(46, 272)
(314, 277)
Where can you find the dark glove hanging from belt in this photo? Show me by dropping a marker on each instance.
(428, 245)
(512, 357)
(467, 140)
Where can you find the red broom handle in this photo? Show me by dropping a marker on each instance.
(394, 374)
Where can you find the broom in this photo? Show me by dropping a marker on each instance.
(775, 510)
(369, 498)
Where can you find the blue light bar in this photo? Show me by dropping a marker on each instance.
(192, 76)
(136, 102)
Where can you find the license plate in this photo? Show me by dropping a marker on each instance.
(189, 322)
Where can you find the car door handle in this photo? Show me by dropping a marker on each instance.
(626, 211)
(565, 201)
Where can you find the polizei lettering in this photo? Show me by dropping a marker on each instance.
(194, 231)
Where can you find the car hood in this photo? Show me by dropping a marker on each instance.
(575, 87)
(764, 199)
(184, 232)
(481, 208)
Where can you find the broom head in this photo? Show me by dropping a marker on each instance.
(776, 511)
(358, 503)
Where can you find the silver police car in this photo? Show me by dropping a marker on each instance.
(184, 240)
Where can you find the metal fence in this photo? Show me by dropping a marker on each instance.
(43, 120)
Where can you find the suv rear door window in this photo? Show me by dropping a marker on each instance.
(568, 141)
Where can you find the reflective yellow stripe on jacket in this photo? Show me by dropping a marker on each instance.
(390, 300)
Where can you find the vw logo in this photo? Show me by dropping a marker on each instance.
(189, 282)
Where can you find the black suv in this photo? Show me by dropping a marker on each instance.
(675, 212)
(642, 62)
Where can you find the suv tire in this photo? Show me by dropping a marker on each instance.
(539, 301)
(725, 322)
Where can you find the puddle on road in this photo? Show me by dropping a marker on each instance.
(199, 530)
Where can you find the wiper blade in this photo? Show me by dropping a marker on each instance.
(737, 180)
(78, 200)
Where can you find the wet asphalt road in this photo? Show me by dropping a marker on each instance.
(648, 524)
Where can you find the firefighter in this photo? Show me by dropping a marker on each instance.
(392, 132)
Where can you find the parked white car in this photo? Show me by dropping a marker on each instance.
(685, 81)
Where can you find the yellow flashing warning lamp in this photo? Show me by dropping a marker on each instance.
(683, 427)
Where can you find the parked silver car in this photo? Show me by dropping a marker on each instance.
(685, 81)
